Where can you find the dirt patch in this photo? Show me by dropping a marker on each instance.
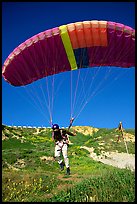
(72, 177)
(120, 160)
(44, 158)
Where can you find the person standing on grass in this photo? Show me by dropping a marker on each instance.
(60, 137)
(120, 129)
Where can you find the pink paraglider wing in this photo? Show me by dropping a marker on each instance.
(72, 46)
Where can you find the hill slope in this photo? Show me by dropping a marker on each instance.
(31, 174)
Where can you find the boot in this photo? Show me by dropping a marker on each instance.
(62, 166)
(68, 171)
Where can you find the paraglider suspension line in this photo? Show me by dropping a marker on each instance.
(71, 121)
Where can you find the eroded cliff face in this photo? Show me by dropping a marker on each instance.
(85, 130)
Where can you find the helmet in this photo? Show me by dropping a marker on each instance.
(55, 126)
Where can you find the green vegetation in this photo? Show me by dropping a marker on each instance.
(30, 173)
(109, 139)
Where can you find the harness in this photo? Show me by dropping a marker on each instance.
(62, 142)
(61, 137)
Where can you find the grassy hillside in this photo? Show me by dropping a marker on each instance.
(31, 174)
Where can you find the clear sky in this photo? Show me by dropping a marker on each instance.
(113, 102)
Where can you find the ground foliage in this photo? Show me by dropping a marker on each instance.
(30, 173)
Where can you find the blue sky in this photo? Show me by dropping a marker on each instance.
(113, 102)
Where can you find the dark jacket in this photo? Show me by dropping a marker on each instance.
(61, 134)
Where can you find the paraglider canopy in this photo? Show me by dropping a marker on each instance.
(70, 47)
